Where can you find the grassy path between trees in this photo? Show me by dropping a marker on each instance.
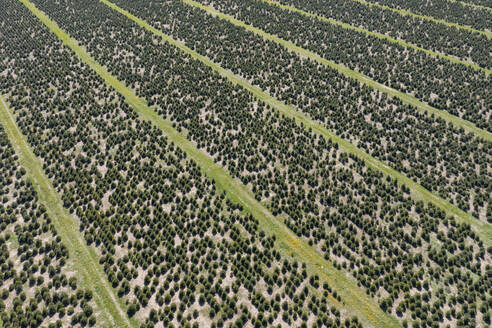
(85, 261)
(377, 35)
(355, 300)
(488, 34)
(406, 98)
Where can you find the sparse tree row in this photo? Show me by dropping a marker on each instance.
(452, 87)
(451, 11)
(177, 252)
(423, 267)
(445, 160)
(37, 287)
(423, 33)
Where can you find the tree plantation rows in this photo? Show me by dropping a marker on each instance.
(424, 33)
(174, 247)
(37, 287)
(175, 250)
(454, 164)
(421, 265)
(456, 88)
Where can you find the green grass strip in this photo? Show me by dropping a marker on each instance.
(406, 98)
(84, 258)
(418, 192)
(378, 35)
(488, 34)
(356, 300)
